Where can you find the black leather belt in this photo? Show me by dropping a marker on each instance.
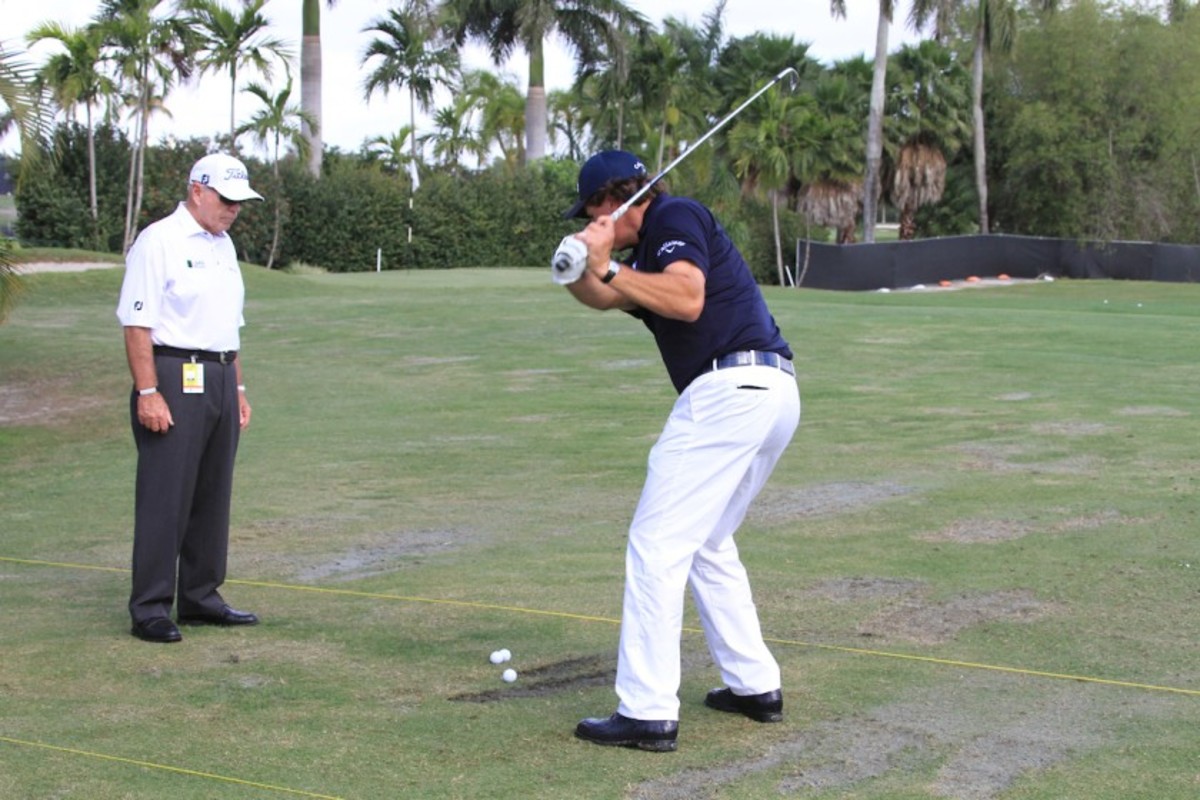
(222, 357)
(750, 358)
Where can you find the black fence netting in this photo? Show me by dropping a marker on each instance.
(895, 265)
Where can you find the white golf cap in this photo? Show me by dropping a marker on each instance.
(226, 175)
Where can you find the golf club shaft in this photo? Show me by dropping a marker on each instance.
(620, 212)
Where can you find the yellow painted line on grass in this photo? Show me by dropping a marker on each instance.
(167, 768)
(567, 615)
(992, 667)
(413, 599)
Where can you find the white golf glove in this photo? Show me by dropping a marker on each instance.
(569, 262)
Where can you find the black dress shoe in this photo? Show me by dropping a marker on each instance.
(228, 616)
(765, 707)
(158, 629)
(657, 735)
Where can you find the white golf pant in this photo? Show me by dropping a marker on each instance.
(723, 438)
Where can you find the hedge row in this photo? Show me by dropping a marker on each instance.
(356, 213)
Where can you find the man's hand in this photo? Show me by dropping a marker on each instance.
(569, 262)
(154, 413)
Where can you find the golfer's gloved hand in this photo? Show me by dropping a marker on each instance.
(569, 261)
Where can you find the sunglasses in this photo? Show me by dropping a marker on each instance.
(224, 200)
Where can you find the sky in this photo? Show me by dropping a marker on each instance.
(202, 108)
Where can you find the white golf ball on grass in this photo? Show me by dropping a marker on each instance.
(509, 675)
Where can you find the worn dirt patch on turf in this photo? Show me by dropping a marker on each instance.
(916, 619)
(47, 402)
(1072, 428)
(986, 531)
(1151, 411)
(386, 554)
(980, 531)
(779, 504)
(853, 590)
(1016, 458)
(978, 734)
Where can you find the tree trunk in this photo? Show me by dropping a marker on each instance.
(310, 84)
(143, 144)
(875, 125)
(908, 224)
(232, 115)
(133, 200)
(278, 200)
(535, 104)
(778, 240)
(93, 204)
(977, 116)
(807, 254)
(127, 239)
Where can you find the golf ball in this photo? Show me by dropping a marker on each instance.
(505, 654)
(496, 657)
(509, 675)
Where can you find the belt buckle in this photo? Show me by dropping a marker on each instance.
(222, 357)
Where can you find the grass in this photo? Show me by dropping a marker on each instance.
(441, 464)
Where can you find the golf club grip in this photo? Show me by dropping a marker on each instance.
(562, 262)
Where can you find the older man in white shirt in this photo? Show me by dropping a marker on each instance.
(181, 307)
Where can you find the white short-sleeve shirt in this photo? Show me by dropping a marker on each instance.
(184, 284)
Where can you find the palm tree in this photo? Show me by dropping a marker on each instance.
(393, 151)
(769, 143)
(231, 41)
(149, 53)
(927, 106)
(993, 26)
(566, 120)
(500, 109)
(763, 145)
(657, 69)
(830, 165)
(590, 27)
(276, 122)
(74, 80)
(24, 108)
(453, 137)
(406, 55)
(602, 92)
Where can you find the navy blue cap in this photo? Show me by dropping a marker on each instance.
(599, 170)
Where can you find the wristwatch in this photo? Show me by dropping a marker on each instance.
(613, 268)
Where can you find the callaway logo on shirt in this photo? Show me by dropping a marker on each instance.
(669, 247)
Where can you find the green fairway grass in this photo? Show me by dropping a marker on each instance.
(977, 563)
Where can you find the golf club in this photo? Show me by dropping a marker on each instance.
(567, 259)
(789, 73)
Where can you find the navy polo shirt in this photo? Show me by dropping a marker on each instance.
(735, 315)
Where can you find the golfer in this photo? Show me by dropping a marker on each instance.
(181, 310)
(737, 409)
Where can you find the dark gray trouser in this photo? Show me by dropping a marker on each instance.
(183, 492)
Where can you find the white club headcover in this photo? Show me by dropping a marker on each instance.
(569, 262)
